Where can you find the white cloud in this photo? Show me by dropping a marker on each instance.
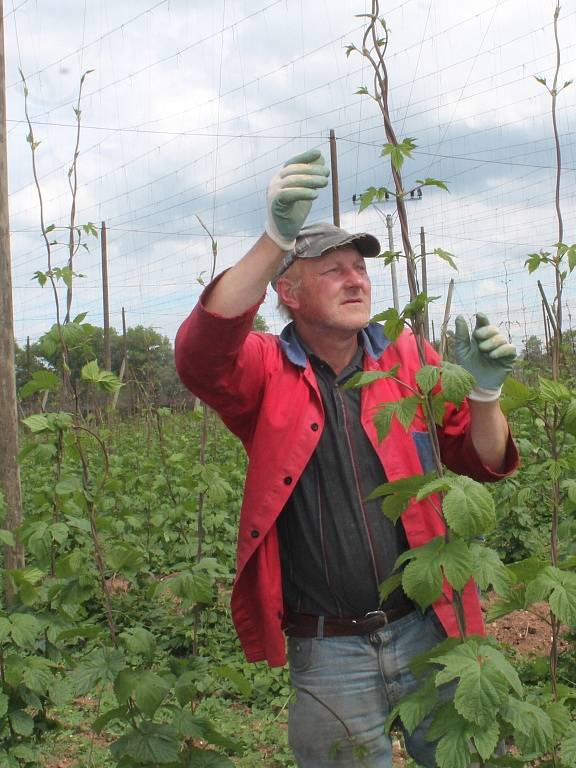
(461, 83)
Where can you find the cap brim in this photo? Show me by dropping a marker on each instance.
(367, 245)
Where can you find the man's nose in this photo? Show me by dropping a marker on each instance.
(354, 277)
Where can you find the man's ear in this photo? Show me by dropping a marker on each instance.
(287, 291)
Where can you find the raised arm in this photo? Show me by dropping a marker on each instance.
(289, 199)
(489, 357)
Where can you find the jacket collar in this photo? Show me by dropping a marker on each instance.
(373, 338)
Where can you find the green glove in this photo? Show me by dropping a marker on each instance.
(488, 356)
(290, 195)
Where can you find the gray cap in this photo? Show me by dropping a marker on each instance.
(317, 239)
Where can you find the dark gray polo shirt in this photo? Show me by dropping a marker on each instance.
(335, 547)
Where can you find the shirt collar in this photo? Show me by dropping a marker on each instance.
(372, 337)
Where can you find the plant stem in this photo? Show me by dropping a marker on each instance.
(56, 505)
(73, 183)
(163, 456)
(556, 353)
(49, 273)
(200, 532)
(558, 298)
(96, 545)
(375, 55)
(3, 681)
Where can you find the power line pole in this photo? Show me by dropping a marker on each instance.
(546, 329)
(393, 263)
(105, 304)
(334, 177)
(415, 194)
(9, 469)
(424, 281)
(444, 329)
(508, 321)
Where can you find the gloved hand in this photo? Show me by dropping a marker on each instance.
(488, 356)
(290, 195)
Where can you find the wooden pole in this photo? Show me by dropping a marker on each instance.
(105, 304)
(334, 175)
(424, 281)
(9, 469)
(546, 336)
(444, 329)
(395, 298)
(124, 359)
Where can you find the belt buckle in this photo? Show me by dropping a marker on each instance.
(377, 614)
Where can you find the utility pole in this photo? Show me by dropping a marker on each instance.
(334, 176)
(9, 469)
(124, 363)
(444, 329)
(424, 281)
(572, 339)
(546, 329)
(415, 194)
(508, 321)
(105, 304)
(393, 263)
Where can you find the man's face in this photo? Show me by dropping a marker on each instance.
(333, 292)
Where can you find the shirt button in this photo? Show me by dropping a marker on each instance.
(288, 480)
(314, 427)
(254, 534)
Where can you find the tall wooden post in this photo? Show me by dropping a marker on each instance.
(546, 329)
(444, 329)
(334, 176)
(395, 299)
(424, 282)
(124, 363)
(9, 470)
(105, 304)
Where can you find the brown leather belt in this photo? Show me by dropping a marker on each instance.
(308, 625)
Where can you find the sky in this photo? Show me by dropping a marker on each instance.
(190, 106)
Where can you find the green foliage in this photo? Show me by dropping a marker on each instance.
(398, 152)
(468, 507)
(456, 382)
(368, 377)
(535, 260)
(393, 323)
(151, 375)
(473, 694)
(446, 256)
(104, 380)
(145, 539)
(428, 182)
(374, 195)
(41, 381)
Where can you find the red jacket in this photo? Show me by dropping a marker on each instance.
(266, 393)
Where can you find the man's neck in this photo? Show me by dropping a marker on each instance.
(336, 349)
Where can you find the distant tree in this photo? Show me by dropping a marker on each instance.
(534, 361)
(150, 365)
(532, 352)
(151, 376)
(26, 361)
(260, 324)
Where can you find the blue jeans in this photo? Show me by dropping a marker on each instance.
(345, 688)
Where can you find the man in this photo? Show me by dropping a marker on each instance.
(311, 549)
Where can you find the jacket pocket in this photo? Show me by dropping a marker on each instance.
(424, 449)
